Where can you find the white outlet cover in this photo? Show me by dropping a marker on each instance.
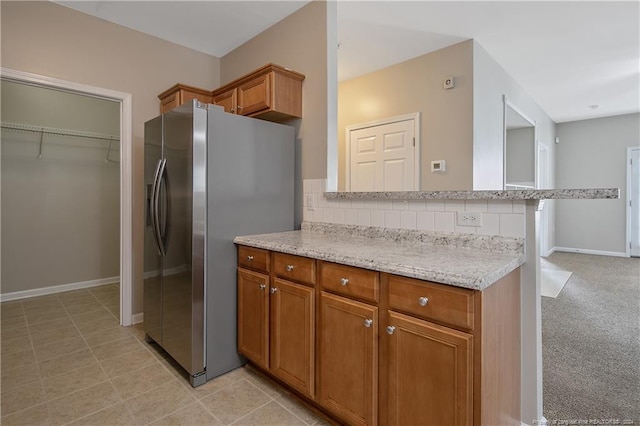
(469, 218)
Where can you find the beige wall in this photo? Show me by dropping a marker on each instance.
(52, 40)
(60, 212)
(416, 86)
(298, 42)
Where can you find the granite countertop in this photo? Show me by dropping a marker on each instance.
(468, 261)
(526, 194)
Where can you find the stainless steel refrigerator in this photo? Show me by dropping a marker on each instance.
(209, 176)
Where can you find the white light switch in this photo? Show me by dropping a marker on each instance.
(311, 202)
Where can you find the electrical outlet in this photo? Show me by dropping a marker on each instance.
(311, 202)
(469, 219)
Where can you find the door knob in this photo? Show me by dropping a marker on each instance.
(249, 258)
(262, 286)
(273, 290)
(344, 281)
(290, 268)
(423, 301)
(368, 322)
(390, 329)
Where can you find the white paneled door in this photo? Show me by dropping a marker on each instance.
(634, 201)
(383, 157)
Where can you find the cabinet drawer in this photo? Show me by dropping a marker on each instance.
(295, 268)
(438, 302)
(349, 281)
(253, 258)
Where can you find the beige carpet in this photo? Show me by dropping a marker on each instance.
(552, 281)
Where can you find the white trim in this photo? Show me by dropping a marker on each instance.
(627, 207)
(588, 251)
(390, 120)
(137, 318)
(126, 172)
(550, 252)
(42, 291)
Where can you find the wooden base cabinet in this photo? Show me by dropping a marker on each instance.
(276, 319)
(429, 373)
(348, 340)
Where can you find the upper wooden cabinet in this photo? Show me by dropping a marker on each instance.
(181, 93)
(272, 93)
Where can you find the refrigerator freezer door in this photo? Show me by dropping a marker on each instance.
(152, 257)
(182, 282)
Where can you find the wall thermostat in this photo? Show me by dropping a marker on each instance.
(448, 83)
(438, 166)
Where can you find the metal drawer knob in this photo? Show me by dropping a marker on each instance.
(290, 268)
(368, 322)
(249, 258)
(390, 329)
(423, 301)
(273, 290)
(262, 286)
(344, 281)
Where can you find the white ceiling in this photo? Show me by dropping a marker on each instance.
(568, 56)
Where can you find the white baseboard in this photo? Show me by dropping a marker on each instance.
(16, 295)
(137, 318)
(587, 251)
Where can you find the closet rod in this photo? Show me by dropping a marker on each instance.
(54, 131)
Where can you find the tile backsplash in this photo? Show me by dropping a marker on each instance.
(499, 217)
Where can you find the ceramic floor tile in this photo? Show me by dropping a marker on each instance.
(235, 401)
(76, 310)
(40, 302)
(10, 311)
(88, 327)
(270, 414)
(38, 316)
(59, 348)
(50, 326)
(194, 414)
(67, 363)
(23, 359)
(18, 377)
(15, 322)
(218, 383)
(128, 363)
(15, 345)
(159, 402)
(266, 386)
(72, 381)
(70, 296)
(34, 416)
(116, 348)
(298, 409)
(109, 335)
(20, 398)
(48, 337)
(79, 404)
(116, 415)
(100, 314)
(142, 380)
(13, 333)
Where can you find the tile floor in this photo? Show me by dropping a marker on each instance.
(66, 360)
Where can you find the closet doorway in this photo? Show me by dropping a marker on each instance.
(62, 199)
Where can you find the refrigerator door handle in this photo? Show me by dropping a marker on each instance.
(166, 217)
(156, 211)
(153, 204)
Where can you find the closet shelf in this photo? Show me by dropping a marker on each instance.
(54, 131)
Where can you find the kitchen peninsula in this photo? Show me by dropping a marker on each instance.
(381, 325)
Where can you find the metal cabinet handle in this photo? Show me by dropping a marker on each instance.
(423, 301)
(262, 286)
(273, 290)
(368, 322)
(290, 268)
(344, 281)
(249, 258)
(239, 107)
(390, 329)
(233, 110)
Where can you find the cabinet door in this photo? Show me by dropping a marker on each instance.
(228, 100)
(254, 95)
(253, 316)
(292, 335)
(170, 102)
(429, 373)
(349, 359)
